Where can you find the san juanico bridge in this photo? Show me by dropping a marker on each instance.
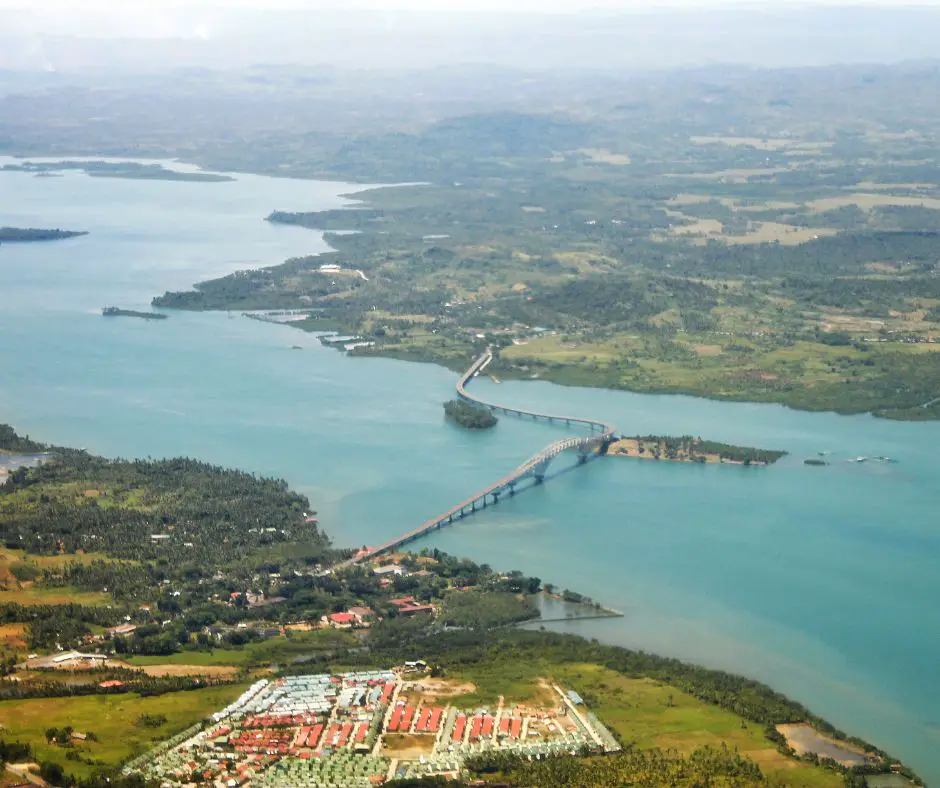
(593, 444)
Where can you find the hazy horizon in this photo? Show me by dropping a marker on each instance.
(66, 36)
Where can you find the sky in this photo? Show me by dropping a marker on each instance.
(55, 34)
(431, 5)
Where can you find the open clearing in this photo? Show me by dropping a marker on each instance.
(408, 746)
(703, 230)
(805, 739)
(10, 557)
(709, 227)
(13, 591)
(657, 715)
(28, 594)
(643, 711)
(278, 649)
(604, 156)
(869, 201)
(913, 187)
(686, 198)
(112, 718)
(191, 670)
(784, 234)
(764, 143)
(13, 636)
(731, 175)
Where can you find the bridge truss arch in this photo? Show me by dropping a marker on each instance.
(595, 443)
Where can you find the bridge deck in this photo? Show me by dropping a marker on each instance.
(482, 363)
(601, 434)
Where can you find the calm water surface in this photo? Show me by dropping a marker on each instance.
(821, 581)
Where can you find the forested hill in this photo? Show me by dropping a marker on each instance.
(176, 510)
(11, 442)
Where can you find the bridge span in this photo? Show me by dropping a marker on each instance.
(595, 443)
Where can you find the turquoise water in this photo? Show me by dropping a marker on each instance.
(821, 581)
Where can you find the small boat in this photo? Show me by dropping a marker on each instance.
(495, 379)
(296, 347)
(860, 459)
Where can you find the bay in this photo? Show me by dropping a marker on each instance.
(820, 581)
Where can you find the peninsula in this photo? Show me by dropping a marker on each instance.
(33, 234)
(107, 169)
(689, 449)
(113, 311)
(113, 662)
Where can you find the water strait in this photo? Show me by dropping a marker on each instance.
(823, 582)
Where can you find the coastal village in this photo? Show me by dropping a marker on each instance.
(296, 726)
(362, 729)
(423, 574)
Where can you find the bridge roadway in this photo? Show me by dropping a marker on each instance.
(594, 443)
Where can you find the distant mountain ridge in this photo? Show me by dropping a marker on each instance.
(794, 35)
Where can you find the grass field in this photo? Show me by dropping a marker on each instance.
(868, 201)
(29, 594)
(112, 718)
(801, 374)
(13, 636)
(785, 234)
(642, 711)
(657, 715)
(762, 143)
(10, 557)
(166, 669)
(280, 649)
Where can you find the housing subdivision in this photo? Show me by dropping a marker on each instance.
(362, 729)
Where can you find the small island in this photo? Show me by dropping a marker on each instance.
(689, 449)
(123, 169)
(33, 234)
(113, 311)
(469, 416)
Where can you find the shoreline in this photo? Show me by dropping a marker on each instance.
(604, 612)
(558, 378)
(690, 451)
(547, 379)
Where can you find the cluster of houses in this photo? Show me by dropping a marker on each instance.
(363, 617)
(360, 729)
(355, 617)
(359, 617)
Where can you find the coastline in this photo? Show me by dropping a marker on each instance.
(686, 676)
(572, 377)
(548, 378)
(688, 451)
